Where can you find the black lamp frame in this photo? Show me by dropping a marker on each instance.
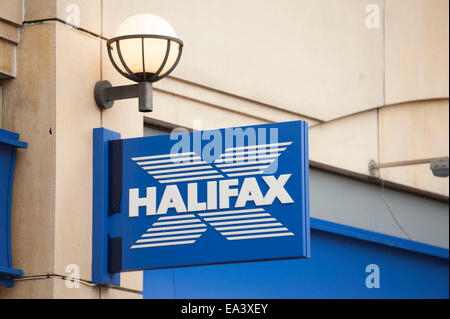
(105, 94)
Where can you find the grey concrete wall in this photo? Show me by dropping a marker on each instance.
(350, 202)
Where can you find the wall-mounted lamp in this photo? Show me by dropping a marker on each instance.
(438, 165)
(145, 49)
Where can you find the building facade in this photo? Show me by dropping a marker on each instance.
(369, 76)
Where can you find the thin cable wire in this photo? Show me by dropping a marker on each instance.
(390, 210)
(49, 276)
(61, 277)
(383, 197)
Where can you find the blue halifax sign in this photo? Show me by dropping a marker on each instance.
(197, 198)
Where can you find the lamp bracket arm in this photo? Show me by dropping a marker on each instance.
(123, 92)
(105, 94)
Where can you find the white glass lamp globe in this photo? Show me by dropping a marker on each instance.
(145, 48)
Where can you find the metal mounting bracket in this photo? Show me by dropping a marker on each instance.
(105, 94)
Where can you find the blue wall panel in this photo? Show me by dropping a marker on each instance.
(336, 269)
(9, 142)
